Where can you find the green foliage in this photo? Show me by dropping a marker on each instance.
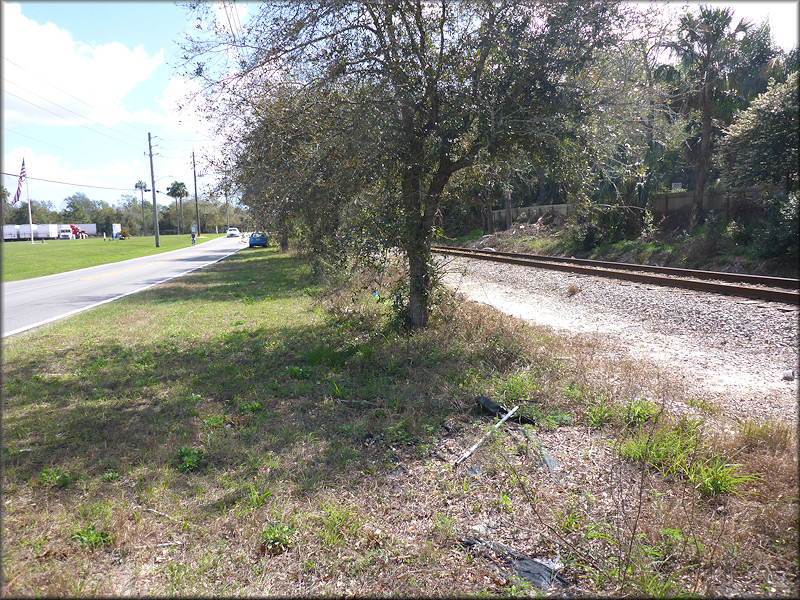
(190, 459)
(338, 524)
(776, 234)
(677, 449)
(761, 147)
(91, 537)
(55, 477)
(715, 475)
(276, 539)
(600, 413)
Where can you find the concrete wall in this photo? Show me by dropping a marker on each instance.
(728, 204)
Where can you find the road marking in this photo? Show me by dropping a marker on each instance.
(131, 268)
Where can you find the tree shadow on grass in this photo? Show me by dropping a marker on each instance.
(306, 396)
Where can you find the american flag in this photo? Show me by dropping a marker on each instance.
(19, 185)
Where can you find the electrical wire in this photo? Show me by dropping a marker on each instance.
(63, 117)
(67, 109)
(71, 151)
(99, 187)
(139, 130)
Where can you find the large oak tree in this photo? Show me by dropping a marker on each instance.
(451, 81)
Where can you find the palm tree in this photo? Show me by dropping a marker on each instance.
(178, 191)
(141, 185)
(706, 48)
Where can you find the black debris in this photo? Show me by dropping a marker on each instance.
(522, 566)
(500, 410)
(491, 407)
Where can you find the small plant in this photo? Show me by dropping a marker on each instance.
(443, 528)
(338, 523)
(516, 389)
(190, 459)
(637, 411)
(569, 520)
(296, 372)
(110, 476)
(213, 421)
(90, 537)
(771, 435)
(276, 539)
(702, 404)
(55, 477)
(250, 407)
(715, 475)
(600, 413)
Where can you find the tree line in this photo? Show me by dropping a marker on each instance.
(133, 214)
(365, 127)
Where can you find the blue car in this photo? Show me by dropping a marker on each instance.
(258, 238)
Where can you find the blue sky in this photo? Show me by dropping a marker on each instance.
(84, 83)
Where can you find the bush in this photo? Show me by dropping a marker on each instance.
(590, 226)
(776, 235)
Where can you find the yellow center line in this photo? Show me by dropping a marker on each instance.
(130, 268)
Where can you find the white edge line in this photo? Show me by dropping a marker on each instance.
(96, 304)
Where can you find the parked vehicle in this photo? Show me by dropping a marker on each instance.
(232, 232)
(10, 232)
(258, 238)
(79, 231)
(47, 231)
(25, 231)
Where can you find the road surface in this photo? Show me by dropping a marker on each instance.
(33, 302)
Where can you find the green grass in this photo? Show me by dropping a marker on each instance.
(22, 260)
(244, 431)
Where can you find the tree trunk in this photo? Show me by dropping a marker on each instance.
(489, 212)
(283, 232)
(419, 270)
(703, 160)
(509, 218)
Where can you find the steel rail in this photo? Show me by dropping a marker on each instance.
(734, 284)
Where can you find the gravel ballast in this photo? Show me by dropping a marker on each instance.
(733, 351)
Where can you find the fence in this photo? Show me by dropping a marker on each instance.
(728, 204)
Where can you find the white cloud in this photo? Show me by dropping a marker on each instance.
(46, 63)
(50, 167)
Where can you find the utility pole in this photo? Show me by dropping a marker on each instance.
(153, 183)
(196, 208)
(227, 212)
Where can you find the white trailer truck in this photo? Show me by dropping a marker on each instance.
(10, 232)
(25, 231)
(47, 231)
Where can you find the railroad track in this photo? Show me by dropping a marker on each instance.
(775, 289)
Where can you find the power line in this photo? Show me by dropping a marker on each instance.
(63, 117)
(99, 187)
(139, 130)
(73, 152)
(66, 109)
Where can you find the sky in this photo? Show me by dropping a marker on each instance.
(83, 83)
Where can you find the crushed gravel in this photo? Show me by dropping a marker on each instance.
(733, 351)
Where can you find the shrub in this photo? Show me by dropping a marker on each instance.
(776, 234)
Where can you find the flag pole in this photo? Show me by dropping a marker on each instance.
(30, 216)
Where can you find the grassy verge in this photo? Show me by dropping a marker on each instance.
(243, 431)
(22, 260)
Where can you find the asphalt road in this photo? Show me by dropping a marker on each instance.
(33, 302)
